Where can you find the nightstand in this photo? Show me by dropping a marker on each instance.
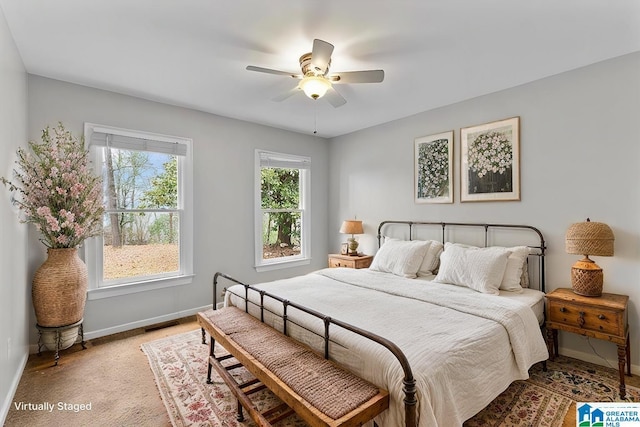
(349, 261)
(603, 317)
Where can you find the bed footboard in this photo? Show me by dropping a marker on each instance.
(409, 383)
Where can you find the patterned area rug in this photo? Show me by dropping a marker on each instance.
(179, 364)
(544, 399)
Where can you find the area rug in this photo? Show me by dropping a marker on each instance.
(179, 364)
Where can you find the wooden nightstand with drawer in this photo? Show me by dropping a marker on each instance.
(603, 317)
(350, 261)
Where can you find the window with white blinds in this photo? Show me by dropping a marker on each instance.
(282, 215)
(147, 239)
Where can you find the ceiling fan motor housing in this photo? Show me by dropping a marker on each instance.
(306, 67)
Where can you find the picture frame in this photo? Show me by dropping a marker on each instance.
(433, 168)
(344, 249)
(490, 161)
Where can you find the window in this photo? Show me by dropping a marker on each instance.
(282, 210)
(147, 226)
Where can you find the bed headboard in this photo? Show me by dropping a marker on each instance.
(478, 234)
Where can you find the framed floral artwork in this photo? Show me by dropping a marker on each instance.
(434, 168)
(490, 161)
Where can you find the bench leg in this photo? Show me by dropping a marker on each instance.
(212, 344)
(240, 416)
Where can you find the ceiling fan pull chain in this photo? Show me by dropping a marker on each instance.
(315, 119)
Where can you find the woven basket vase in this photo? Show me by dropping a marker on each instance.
(60, 288)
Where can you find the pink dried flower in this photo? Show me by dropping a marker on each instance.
(56, 189)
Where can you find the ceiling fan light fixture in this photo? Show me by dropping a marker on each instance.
(315, 86)
(315, 81)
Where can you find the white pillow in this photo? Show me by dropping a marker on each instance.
(402, 258)
(481, 269)
(514, 271)
(432, 259)
(524, 279)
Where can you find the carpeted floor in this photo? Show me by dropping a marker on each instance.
(114, 378)
(112, 374)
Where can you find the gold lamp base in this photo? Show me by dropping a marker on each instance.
(587, 278)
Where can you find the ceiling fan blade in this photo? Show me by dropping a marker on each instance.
(271, 71)
(321, 55)
(286, 94)
(368, 76)
(334, 98)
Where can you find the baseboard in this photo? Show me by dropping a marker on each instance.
(592, 358)
(89, 335)
(8, 400)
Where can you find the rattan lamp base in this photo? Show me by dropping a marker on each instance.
(587, 278)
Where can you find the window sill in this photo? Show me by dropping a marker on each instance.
(135, 287)
(277, 265)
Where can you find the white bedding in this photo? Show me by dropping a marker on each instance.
(464, 347)
(531, 297)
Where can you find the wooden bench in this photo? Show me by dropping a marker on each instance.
(318, 390)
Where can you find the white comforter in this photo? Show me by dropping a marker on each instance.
(464, 347)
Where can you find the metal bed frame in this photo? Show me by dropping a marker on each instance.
(409, 382)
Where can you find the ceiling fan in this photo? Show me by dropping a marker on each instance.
(315, 80)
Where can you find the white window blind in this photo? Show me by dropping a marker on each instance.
(126, 142)
(277, 160)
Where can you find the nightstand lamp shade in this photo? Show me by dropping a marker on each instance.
(588, 238)
(352, 227)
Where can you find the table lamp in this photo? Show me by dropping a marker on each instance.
(588, 238)
(352, 227)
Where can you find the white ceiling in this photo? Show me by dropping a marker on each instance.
(193, 53)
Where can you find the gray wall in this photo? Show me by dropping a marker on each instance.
(15, 297)
(580, 151)
(223, 151)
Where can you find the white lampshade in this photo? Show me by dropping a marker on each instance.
(315, 86)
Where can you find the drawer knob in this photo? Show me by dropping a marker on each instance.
(562, 309)
(581, 319)
(601, 316)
